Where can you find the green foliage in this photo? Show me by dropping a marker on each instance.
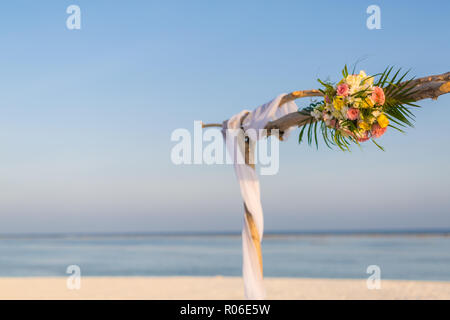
(331, 136)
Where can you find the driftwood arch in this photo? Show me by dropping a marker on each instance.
(430, 87)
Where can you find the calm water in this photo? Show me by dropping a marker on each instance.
(338, 256)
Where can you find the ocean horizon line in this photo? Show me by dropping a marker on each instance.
(267, 234)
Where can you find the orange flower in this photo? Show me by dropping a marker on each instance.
(378, 96)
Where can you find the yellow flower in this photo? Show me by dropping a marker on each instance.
(368, 103)
(338, 103)
(364, 126)
(383, 121)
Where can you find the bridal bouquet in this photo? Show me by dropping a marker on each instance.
(360, 107)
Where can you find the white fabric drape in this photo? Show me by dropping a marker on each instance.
(249, 185)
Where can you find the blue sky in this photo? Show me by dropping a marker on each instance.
(86, 115)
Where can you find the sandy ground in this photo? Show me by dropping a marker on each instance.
(205, 288)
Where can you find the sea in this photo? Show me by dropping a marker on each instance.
(397, 255)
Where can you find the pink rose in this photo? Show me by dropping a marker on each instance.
(363, 137)
(342, 90)
(352, 113)
(378, 96)
(334, 124)
(378, 131)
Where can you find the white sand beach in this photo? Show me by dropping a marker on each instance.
(206, 288)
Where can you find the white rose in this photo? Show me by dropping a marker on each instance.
(353, 81)
(316, 114)
(376, 113)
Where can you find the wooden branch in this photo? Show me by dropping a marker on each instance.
(430, 87)
(300, 94)
(210, 125)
